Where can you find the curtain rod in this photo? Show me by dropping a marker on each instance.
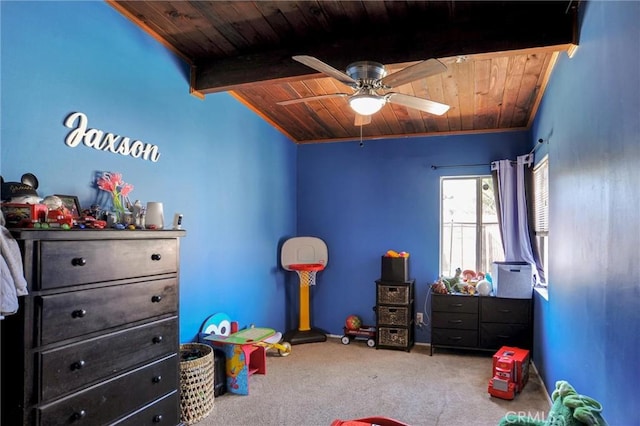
(529, 160)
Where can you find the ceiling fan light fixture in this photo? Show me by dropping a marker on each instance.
(366, 104)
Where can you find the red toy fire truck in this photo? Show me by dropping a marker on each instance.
(510, 372)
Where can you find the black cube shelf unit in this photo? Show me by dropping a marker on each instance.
(394, 314)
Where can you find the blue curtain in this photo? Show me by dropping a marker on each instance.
(513, 214)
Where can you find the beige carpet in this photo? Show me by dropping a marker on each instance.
(320, 382)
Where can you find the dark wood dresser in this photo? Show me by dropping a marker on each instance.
(481, 323)
(96, 340)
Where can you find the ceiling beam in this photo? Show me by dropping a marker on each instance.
(473, 28)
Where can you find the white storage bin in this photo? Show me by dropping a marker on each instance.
(513, 280)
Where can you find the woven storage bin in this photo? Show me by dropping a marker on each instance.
(393, 294)
(196, 382)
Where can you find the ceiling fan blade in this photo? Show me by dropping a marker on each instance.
(318, 65)
(313, 98)
(362, 120)
(420, 70)
(425, 105)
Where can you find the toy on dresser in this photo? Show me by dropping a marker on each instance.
(20, 202)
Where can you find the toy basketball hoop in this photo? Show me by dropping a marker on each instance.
(306, 256)
(307, 272)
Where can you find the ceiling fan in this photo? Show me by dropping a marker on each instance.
(368, 79)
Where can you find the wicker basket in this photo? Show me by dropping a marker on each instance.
(196, 382)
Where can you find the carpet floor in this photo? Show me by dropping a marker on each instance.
(321, 382)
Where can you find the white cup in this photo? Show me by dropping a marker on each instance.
(154, 215)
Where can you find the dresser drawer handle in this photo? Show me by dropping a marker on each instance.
(456, 305)
(157, 379)
(78, 261)
(502, 336)
(455, 321)
(156, 298)
(456, 338)
(79, 313)
(505, 311)
(77, 365)
(157, 339)
(157, 418)
(156, 256)
(78, 415)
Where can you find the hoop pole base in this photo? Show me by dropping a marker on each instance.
(297, 337)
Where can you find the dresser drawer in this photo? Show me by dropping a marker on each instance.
(76, 313)
(80, 262)
(445, 303)
(165, 411)
(505, 310)
(111, 400)
(455, 320)
(66, 369)
(450, 337)
(495, 335)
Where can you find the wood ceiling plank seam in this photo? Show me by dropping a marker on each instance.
(226, 34)
(336, 105)
(515, 70)
(311, 111)
(435, 90)
(188, 23)
(526, 96)
(451, 98)
(245, 25)
(543, 81)
(418, 89)
(482, 77)
(294, 18)
(249, 104)
(496, 88)
(315, 13)
(215, 39)
(275, 19)
(463, 73)
(258, 21)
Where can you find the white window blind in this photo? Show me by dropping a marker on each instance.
(541, 198)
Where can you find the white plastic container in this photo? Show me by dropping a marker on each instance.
(513, 280)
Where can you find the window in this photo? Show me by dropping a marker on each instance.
(541, 212)
(469, 231)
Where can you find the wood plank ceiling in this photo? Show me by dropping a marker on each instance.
(499, 56)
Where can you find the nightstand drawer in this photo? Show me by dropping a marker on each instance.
(67, 315)
(71, 367)
(446, 303)
(105, 403)
(449, 337)
(500, 310)
(80, 262)
(455, 320)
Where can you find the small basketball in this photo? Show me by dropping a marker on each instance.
(353, 322)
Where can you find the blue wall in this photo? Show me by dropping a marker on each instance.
(237, 181)
(588, 332)
(230, 174)
(363, 201)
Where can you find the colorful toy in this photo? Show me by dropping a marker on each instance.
(366, 332)
(510, 372)
(353, 322)
(568, 409)
(393, 253)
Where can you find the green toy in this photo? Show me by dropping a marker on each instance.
(568, 409)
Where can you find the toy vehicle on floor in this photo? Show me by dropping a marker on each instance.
(364, 332)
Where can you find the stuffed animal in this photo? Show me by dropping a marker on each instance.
(23, 192)
(568, 409)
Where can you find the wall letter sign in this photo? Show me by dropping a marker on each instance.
(97, 139)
